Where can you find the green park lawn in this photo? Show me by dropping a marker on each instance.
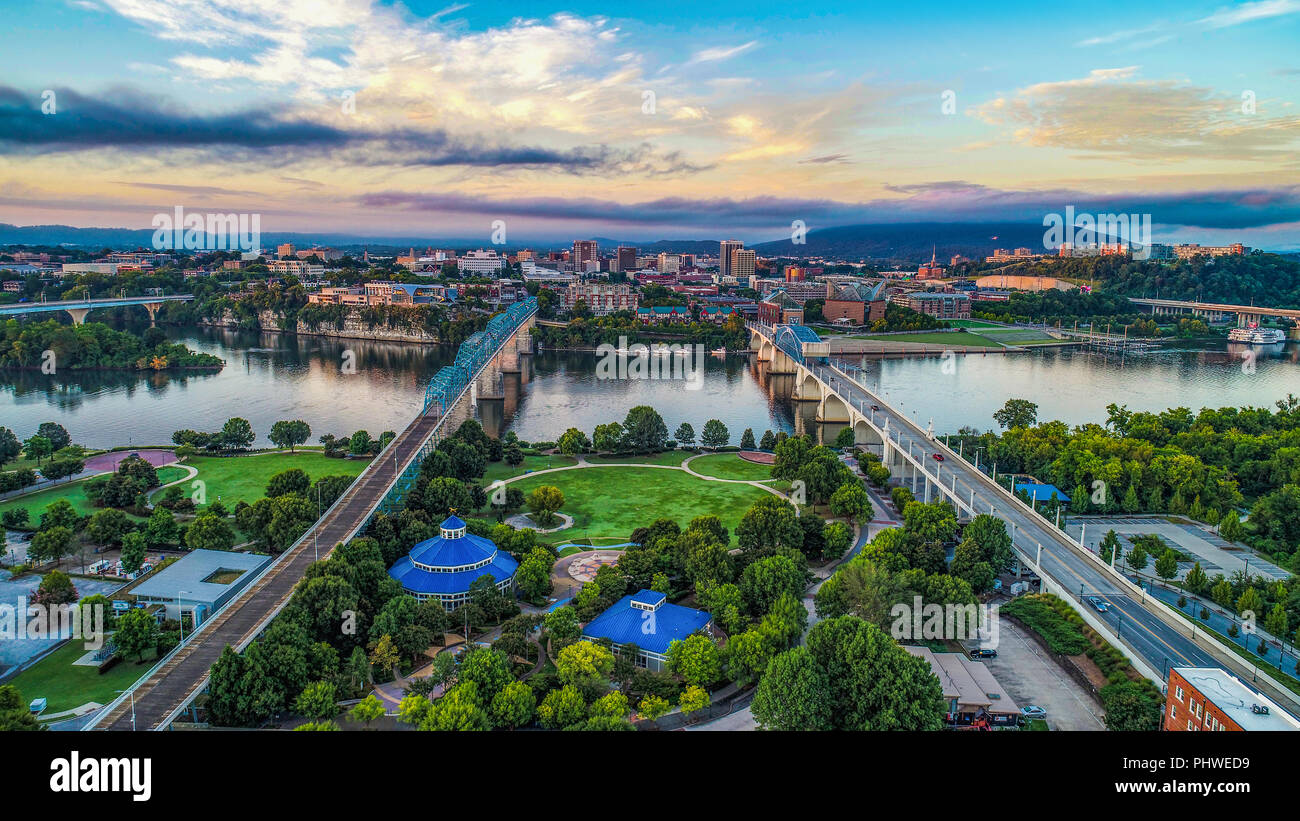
(610, 502)
(1017, 336)
(972, 323)
(957, 339)
(500, 470)
(66, 685)
(74, 492)
(233, 479)
(667, 457)
(731, 466)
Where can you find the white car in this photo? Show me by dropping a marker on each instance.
(1033, 711)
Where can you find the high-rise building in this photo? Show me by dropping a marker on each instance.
(669, 263)
(584, 251)
(480, 262)
(626, 256)
(725, 249)
(743, 263)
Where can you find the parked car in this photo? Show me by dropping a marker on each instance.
(984, 653)
(1097, 604)
(1033, 711)
(938, 457)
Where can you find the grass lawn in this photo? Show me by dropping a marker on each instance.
(667, 457)
(65, 685)
(1017, 336)
(243, 478)
(74, 492)
(611, 502)
(972, 323)
(500, 470)
(731, 466)
(956, 339)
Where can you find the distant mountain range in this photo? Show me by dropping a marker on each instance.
(897, 241)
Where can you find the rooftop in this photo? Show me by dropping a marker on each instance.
(653, 630)
(967, 681)
(1235, 699)
(190, 572)
(1042, 493)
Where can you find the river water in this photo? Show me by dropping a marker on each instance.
(339, 386)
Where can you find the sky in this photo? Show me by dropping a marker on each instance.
(650, 120)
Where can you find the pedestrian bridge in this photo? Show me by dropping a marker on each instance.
(168, 691)
(79, 308)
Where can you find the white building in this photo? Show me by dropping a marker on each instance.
(481, 262)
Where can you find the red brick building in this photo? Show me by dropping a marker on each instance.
(1210, 698)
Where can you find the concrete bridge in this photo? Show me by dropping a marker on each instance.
(79, 308)
(1150, 633)
(1246, 314)
(168, 690)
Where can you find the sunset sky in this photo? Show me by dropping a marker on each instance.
(382, 119)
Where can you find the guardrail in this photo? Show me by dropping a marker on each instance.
(380, 458)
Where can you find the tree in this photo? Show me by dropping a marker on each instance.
(1276, 622)
(513, 706)
(835, 540)
(136, 633)
(644, 430)
(9, 446)
(844, 440)
(574, 441)
(769, 526)
(55, 588)
(849, 675)
(1167, 564)
(696, 659)
(360, 443)
(1250, 602)
(37, 447)
(1230, 527)
(563, 627)
(318, 700)
(286, 434)
(850, 501)
(747, 439)
(50, 544)
(533, 578)
(161, 528)
(544, 501)
(693, 700)
(1109, 544)
(764, 581)
(652, 707)
(513, 454)
(584, 664)
(209, 532)
(236, 434)
(1196, 580)
(1131, 706)
(367, 710)
(294, 480)
(685, 435)
(1222, 593)
(1017, 413)
(768, 441)
(562, 708)
(1137, 557)
(133, 550)
(609, 437)
(56, 434)
(715, 434)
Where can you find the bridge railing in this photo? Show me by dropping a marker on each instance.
(409, 470)
(450, 381)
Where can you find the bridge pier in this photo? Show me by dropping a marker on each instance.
(78, 315)
(152, 308)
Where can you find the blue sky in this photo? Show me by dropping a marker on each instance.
(536, 113)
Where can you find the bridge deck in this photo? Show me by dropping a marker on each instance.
(173, 684)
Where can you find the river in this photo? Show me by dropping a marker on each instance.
(281, 376)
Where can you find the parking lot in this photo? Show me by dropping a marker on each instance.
(1031, 677)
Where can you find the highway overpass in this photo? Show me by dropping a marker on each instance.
(170, 688)
(79, 308)
(1246, 314)
(1151, 634)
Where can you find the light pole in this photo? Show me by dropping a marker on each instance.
(132, 692)
(180, 612)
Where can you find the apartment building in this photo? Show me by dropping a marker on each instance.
(601, 297)
(1211, 698)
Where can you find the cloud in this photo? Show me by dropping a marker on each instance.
(1113, 112)
(711, 55)
(1249, 12)
(126, 121)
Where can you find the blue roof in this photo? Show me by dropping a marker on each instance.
(651, 630)
(444, 552)
(452, 523)
(416, 580)
(649, 597)
(1042, 493)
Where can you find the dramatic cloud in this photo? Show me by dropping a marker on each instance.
(124, 120)
(1112, 111)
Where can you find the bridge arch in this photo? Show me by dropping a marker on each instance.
(865, 434)
(832, 409)
(807, 387)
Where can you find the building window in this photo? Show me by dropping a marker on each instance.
(1178, 693)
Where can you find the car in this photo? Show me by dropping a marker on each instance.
(1097, 604)
(938, 457)
(1033, 711)
(984, 653)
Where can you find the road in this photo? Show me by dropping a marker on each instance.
(173, 684)
(1156, 642)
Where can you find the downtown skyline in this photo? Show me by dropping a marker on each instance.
(431, 120)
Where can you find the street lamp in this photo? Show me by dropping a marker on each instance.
(132, 692)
